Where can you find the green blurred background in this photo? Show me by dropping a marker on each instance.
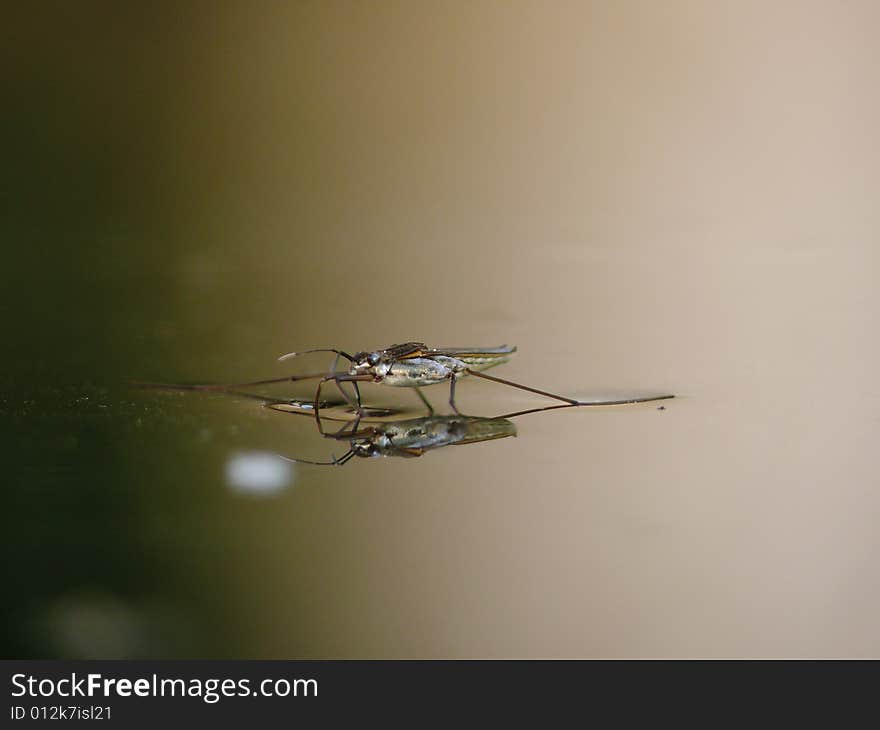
(644, 197)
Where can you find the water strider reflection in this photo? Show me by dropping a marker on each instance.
(411, 437)
(387, 432)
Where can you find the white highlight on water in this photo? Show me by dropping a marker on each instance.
(259, 473)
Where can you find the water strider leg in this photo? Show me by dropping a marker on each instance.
(345, 430)
(570, 401)
(338, 379)
(357, 392)
(587, 404)
(355, 425)
(348, 430)
(425, 401)
(356, 404)
(339, 387)
(338, 434)
(317, 404)
(452, 381)
(224, 387)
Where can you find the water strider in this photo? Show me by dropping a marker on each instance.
(408, 365)
(413, 365)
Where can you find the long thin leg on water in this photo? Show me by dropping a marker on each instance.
(356, 404)
(584, 404)
(357, 390)
(338, 379)
(269, 381)
(326, 434)
(341, 433)
(345, 431)
(354, 380)
(425, 400)
(350, 430)
(355, 425)
(316, 406)
(229, 386)
(452, 381)
(570, 401)
(357, 393)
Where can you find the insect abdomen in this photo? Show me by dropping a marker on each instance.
(415, 372)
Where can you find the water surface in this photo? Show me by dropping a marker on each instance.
(642, 199)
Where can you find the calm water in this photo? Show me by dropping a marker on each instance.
(646, 201)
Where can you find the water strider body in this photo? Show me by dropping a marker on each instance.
(414, 364)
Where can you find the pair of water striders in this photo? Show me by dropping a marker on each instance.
(409, 365)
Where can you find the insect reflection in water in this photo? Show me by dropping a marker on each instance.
(416, 436)
(410, 437)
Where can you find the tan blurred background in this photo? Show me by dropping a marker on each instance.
(642, 196)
